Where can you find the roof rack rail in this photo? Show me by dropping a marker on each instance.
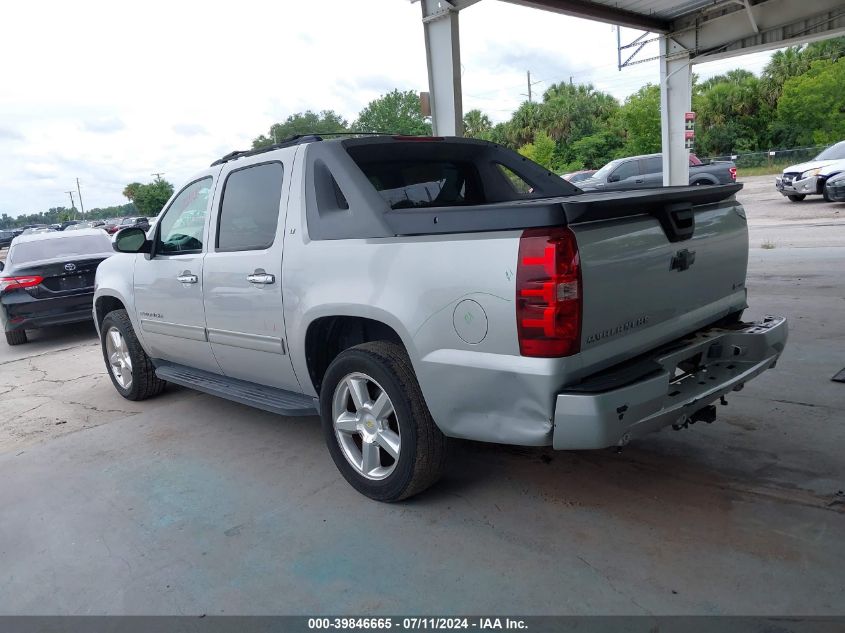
(296, 139)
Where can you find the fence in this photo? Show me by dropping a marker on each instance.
(773, 158)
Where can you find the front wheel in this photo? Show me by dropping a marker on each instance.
(377, 425)
(130, 369)
(797, 198)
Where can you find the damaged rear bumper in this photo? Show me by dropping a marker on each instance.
(614, 407)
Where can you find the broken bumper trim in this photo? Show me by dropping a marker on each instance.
(726, 358)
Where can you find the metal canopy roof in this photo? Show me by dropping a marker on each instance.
(648, 15)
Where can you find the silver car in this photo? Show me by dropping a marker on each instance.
(412, 290)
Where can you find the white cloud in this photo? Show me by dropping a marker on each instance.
(159, 86)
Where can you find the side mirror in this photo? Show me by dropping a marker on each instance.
(131, 240)
(613, 178)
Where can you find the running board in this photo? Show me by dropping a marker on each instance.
(259, 396)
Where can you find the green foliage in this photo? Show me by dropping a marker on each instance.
(307, 122)
(395, 113)
(477, 124)
(150, 199)
(541, 151)
(131, 190)
(640, 120)
(812, 103)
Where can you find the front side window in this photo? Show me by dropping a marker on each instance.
(182, 227)
(249, 212)
(625, 170)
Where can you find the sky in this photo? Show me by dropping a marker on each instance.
(113, 92)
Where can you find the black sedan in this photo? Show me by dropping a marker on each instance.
(834, 188)
(48, 279)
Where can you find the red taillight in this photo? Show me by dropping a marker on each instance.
(14, 283)
(733, 172)
(548, 293)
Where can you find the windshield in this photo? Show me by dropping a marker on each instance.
(602, 173)
(70, 246)
(834, 152)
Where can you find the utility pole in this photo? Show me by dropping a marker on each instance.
(158, 175)
(72, 205)
(81, 206)
(530, 83)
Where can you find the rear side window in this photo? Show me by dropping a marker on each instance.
(249, 212)
(653, 165)
(517, 182)
(419, 184)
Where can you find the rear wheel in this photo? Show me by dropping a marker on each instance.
(130, 369)
(16, 337)
(797, 198)
(376, 424)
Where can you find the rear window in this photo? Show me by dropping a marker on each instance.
(418, 184)
(65, 246)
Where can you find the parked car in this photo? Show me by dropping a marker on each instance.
(6, 238)
(112, 225)
(808, 179)
(642, 172)
(139, 221)
(434, 288)
(63, 226)
(48, 279)
(834, 188)
(38, 229)
(578, 176)
(91, 224)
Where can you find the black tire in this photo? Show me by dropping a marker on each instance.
(145, 384)
(423, 453)
(797, 197)
(16, 337)
(826, 196)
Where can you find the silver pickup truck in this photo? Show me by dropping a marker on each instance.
(411, 290)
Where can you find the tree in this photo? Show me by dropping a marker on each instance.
(477, 124)
(640, 120)
(307, 122)
(541, 151)
(150, 199)
(394, 113)
(131, 190)
(812, 103)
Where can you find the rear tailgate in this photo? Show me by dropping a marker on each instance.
(647, 280)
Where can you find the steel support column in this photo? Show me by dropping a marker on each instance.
(443, 55)
(675, 101)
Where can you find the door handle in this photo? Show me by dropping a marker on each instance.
(261, 278)
(188, 278)
(639, 181)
